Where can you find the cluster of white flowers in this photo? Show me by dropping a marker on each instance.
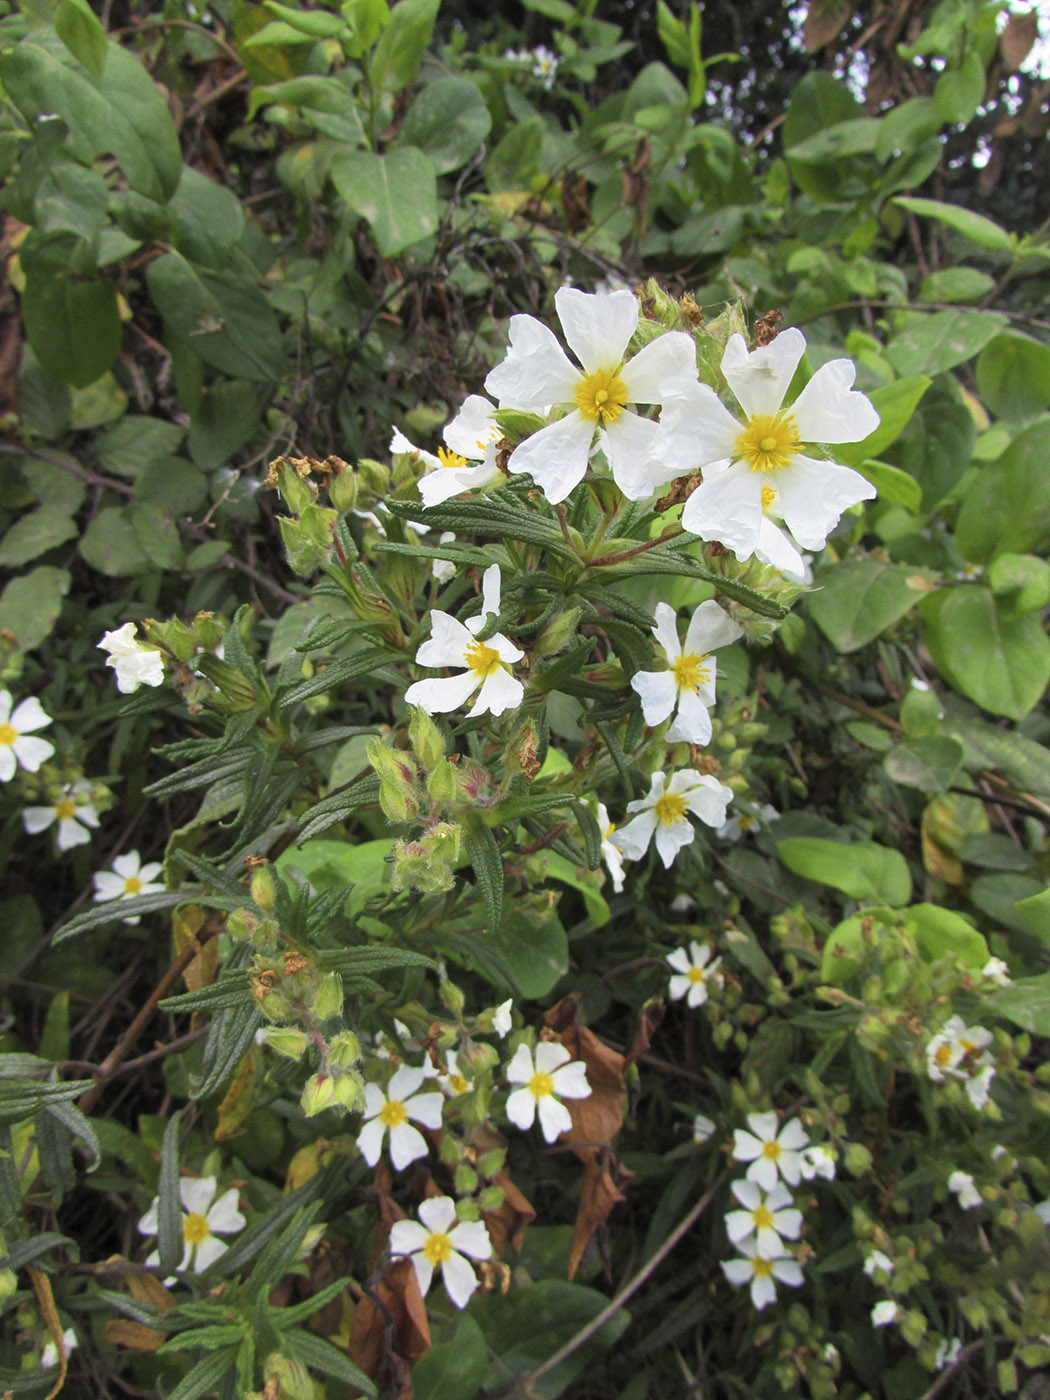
(958, 1051)
(542, 63)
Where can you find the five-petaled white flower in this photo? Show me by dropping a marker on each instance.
(546, 1080)
(694, 970)
(440, 1243)
(454, 1082)
(759, 466)
(882, 1314)
(18, 746)
(49, 1355)
(770, 1153)
(995, 970)
(454, 643)
(128, 878)
(134, 663)
(664, 812)
(392, 1110)
(468, 461)
(766, 1216)
(73, 817)
(743, 823)
(760, 1270)
(611, 854)
(690, 682)
(537, 374)
(961, 1185)
(817, 1161)
(203, 1219)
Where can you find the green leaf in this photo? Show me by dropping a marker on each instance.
(169, 1207)
(109, 544)
(941, 932)
(396, 193)
(930, 763)
(83, 36)
(1006, 509)
(70, 198)
(866, 872)
(29, 606)
(819, 104)
(206, 1375)
(536, 954)
(402, 43)
(960, 284)
(486, 865)
(959, 91)
(895, 403)
(940, 340)
(1013, 376)
(860, 599)
(893, 485)
(226, 419)
(453, 1370)
(558, 868)
(23, 1100)
(127, 447)
(207, 219)
(448, 122)
(1035, 910)
(73, 326)
(1002, 663)
(34, 534)
(156, 536)
(936, 445)
(321, 1355)
(1025, 1002)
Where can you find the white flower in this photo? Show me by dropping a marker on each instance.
(128, 878)
(771, 1155)
(693, 973)
(201, 1222)
(453, 644)
(134, 663)
(958, 1051)
(49, 1355)
(17, 744)
(759, 466)
(664, 813)
(995, 970)
(690, 682)
(612, 855)
(817, 1161)
(876, 1260)
(947, 1354)
(443, 569)
(468, 463)
(441, 1243)
(767, 1217)
(882, 1314)
(536, 374)
(977, 1087)
(501, 1020)
(550, 1078)
(760, 1271)
(741, 825)
(960, 1184)
(703, 1128)
(455, 1081)
(544, 66)
(73, 817)
(392, 1110)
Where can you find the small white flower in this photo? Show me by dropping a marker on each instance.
(73, 817)
(947, 1354)
(978, 1087)
(443, 569)
(544, 66)
(744, 823)
(760, 1271)
(817, 1161)
(958, 1051)
(18, 747)
(682, 903)
(392, 1110)
(882, 1314)
(49, 1355)
(877, 1261)
(960, 1184)
(703, 1128)
(134, 663)
(545, 1082)
(468, 462)
(537, 374)
(201, 1222)
(440, 1243)
(689, 684)
(771, 1154)
(128, 878)
(831, 1354)
(995, 970)
(693, 973)
(611, 854)
(454, 644)
(501, 1020)
(663, 813)
(455, 1082)
(766, 1216)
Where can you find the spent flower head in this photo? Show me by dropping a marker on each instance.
(135, 663)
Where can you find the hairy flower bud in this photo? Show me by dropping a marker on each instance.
(264, 888)
(344, 1050)
(425, 738)
(318, 1094)
(329, 999)
(286, 1040)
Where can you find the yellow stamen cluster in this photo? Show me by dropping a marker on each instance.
(690, 672)
(482, 660)
(768, 496)
(768, 443)
(437, 1248)
(771, 1150)
(195, 1229)
(670, 809)
(762, 1267)
(696, 974)
(601, 396)
(451, 459)
(763, 1218)
(393, 1114)
(65, 809)
(8, 734)
(541, 1085)
(133, 885)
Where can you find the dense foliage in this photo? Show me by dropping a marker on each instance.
(430, 1047)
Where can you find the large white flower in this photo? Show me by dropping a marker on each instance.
(454, 644)
(690, 682)
(537, 374)
(767, 1217)
(545, 1081)
(440, 1243)
(611, 854)
(201, 1222)
(771, 1154)
(760, 1270)
(665, 812)
(468, 461)
(758, 467)
(73, 817)
(391, 1111)
(17, 744)
(128, 878)
(694, 970)
(134, 663)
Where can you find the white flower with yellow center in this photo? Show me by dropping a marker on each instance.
(694, 970)
(73, 813)
(760, 1270)
(204, 1218)
(746, 823)
(611, 854)
(689, 684)
(134, 663)
(665, 813)
(390, 1111)
(18, 747)
(468, 460)
(770, 1217)
(771, 1154)
(440, 1242)
(759, 467)
(552, 1076)
(454, 644)
(454, 1082)
(958, 1051)
(537, 374)
(127, 878)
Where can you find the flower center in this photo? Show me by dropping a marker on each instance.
(768, 443)
(8, 734)
(763, 1218)
(195, 1229)
(696, 974)
(943, 1054)
(670, 809)
(689, 671)
(541, 1085)
(762, 1267)
(459, 1083)
(437, 1248)
(601, 396)
(65, 809)
(771, 1150)
(482, 660)
(451, 459)
(393, 1113)
(133, 885)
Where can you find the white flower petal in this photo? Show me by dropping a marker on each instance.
(633, 838)
(788, 1271)
(370, 1141)
(447, 643)
(520, 1069)
(764, 1171)
(670, 357)
(692, 724)
(207, 1252)
(555, 1118)
(521, 1109)
(665, 631)
(696, 428)
(709, 628)
(763, 1125)
(774, 548)
(121, 642)
(148, 1224)
(441, 485)
(597, 325)
(763, 1291)
(439, 696)
(426, 1109)
(813, 494)
(550, 1056)
(31, 753)
(8, 765)
(556, 456)
(570, 1082)
(438, 1214)
(536, 371)
(632, 445)
(224, 1217)
(671, 839)
(406, 1236)
(473, 428)
(424, 1272)
(678, 987)
(830, 410)
(679, 960)
(739, 1224)
(760, 379)
(657, 691)
(727, 507)
(738, 1271)
(472, 1237)
(30, 715)
(197, 1193)
(37, 819)
(407, 1144)
(709, 801)
(459, 1279)
(499, 692)
(70, 834)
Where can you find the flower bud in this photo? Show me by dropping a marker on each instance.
(296, 490)
(287, 1378)
(318, 1095)
(559, 633)
(441, 785)
(465, 1180)
(241, 926)
(343, 490)
(375, 476)
(491, 1198)
(264, 888)
(287, 1041)
(425, 738)
(329, 999)
(475, 1057)
(349, 1091)
(344, 1050)
(491, 1162)
(857, 1159)
(9, 1284)
(233, 685)
(207, 631)
(451, 997)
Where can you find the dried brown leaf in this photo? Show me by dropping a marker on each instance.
(1019, 34)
